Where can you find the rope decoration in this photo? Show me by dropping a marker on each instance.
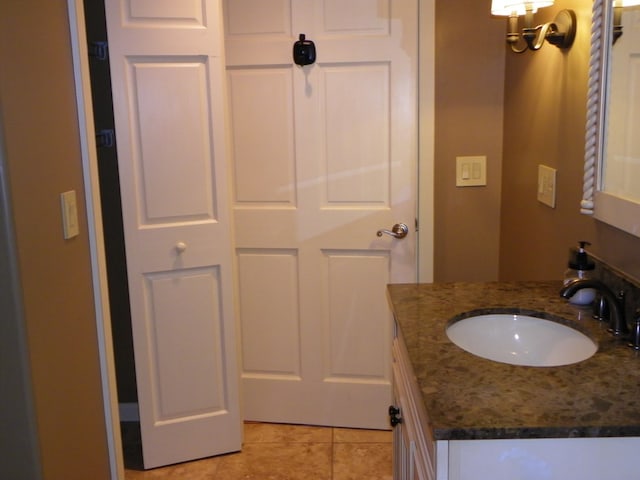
(594, 105)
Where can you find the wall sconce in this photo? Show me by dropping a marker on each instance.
(560, 32)
(618, 5)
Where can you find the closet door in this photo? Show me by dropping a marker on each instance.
(167, 73)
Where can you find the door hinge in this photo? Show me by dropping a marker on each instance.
(105, 138)
(416, 224)
(99, 50)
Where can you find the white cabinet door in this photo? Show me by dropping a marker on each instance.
(414, 450)
(323, 157)
(408, 462)
(167, 75)
(544, 459)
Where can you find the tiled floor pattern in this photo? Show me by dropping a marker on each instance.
(290, 452)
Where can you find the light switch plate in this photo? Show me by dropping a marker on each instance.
(69, 214)
(471, 171)
(547, 185)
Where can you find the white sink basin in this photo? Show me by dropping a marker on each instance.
(521, 340)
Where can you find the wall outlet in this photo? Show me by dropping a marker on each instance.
(69, 214)
(547, 185)
(471, 171)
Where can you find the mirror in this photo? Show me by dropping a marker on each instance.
(612, 154)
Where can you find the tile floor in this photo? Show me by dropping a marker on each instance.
(290, 452)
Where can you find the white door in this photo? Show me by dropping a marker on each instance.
(323, 157)
(167, 77)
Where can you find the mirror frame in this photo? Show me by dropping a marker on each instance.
(615, 211)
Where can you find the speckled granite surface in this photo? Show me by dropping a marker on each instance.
(467, 397)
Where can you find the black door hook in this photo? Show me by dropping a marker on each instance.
(304, 51)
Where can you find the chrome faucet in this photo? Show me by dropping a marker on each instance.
(617, 321)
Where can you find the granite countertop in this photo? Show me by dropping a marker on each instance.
(468, 397)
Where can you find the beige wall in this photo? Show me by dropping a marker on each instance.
(545, 111)
(468, 121)
(43, 156)
(520, 111)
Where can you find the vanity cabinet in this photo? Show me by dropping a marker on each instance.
(417, 455)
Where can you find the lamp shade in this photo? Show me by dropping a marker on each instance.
(628, 3)
(508, 7)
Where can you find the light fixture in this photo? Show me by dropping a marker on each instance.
(618, 5)
(560, 32)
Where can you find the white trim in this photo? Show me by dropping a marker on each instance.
(595, 100)
(619, 212)
(426, 128)
(96, 243)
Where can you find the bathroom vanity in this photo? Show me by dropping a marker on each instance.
(460, 417)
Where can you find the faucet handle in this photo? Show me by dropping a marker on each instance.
(618, 325)
(601, 309)
(635, 332)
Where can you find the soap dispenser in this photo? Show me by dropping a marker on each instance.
(580, 266)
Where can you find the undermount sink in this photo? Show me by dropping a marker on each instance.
(520, 339)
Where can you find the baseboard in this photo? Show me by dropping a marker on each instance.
(129, 412)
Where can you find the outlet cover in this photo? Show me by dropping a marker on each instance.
(547, 185)
(69, 214)
(471, 171)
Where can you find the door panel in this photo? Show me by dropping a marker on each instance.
(175, 128)
(363, 17)
(264, 159)
(186, 12)
(174, 351)
(356, 144)
(269, 289)
(323, 157)
(168, 105)
(356, 346)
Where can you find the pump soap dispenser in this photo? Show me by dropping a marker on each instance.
(580, 266)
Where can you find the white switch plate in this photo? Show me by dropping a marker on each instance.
(471, 171)
(547, 185)
(69, 214)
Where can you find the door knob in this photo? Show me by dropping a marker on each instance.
(394, 418)
(181, 247)
(399, 230)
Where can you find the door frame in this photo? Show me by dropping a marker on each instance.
(89, 155)
(80, 59)
(426, 139)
